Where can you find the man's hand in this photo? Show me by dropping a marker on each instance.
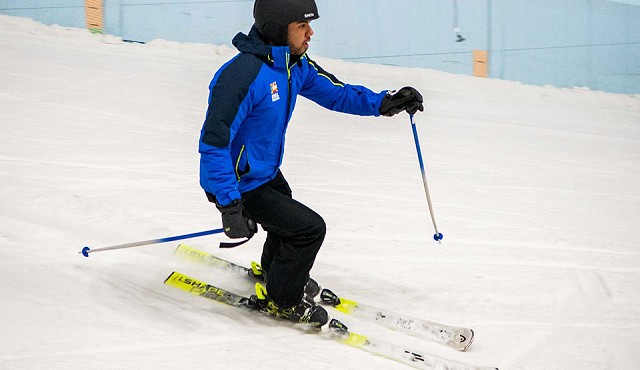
(406, 99)
(235, 224)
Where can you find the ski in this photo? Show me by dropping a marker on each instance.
(459, 338)
(335, 329)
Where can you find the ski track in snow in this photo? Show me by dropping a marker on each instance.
(534, 188)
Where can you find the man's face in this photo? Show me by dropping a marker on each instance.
(299, 35)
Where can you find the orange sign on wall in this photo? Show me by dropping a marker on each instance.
(94, 15)
(480, 63)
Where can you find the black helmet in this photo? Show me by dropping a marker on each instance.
(273, 16)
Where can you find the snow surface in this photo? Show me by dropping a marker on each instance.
(536, 190)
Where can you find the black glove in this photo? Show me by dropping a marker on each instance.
(235, 224)
(407, 99)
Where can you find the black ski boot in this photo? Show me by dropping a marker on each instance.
(305, 312)
(311, 290)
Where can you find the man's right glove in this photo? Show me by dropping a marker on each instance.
(407, 99)
(235, 224)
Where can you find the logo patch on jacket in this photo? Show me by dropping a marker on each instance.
(274, 91)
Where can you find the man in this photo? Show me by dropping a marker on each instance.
(242, 145)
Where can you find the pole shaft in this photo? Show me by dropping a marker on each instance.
(156, 241)
(424, 177)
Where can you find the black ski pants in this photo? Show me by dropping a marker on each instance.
(294, 236)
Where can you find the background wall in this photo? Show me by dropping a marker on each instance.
(68, 13)
(592, 43)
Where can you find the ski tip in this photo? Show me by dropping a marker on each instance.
(169, 277)
(470, 339)
(85, 251)
(463, 340)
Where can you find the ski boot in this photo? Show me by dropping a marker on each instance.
(311, 289)
(304, 312)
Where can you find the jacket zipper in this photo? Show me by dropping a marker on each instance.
(288, 113)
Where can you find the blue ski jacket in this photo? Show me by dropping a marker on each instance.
(251, 100)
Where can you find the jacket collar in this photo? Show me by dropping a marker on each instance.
(278, 56)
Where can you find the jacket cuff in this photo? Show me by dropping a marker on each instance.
(226, 199)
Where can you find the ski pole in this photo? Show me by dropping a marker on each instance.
(437, 236)
(86, 250)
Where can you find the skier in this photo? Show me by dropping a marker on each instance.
(251, 100)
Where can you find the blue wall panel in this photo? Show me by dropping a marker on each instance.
(616, 58)
(548, 44)
(413, 33)
(205, 21)
(569, 43)
(67, 13)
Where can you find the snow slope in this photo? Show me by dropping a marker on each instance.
(536, 189)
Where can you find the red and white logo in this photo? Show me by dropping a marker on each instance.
(274, 91)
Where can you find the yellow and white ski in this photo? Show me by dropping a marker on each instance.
(456, 337)
(335, 329)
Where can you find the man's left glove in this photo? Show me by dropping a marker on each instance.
(235, 224)
(406, 99)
